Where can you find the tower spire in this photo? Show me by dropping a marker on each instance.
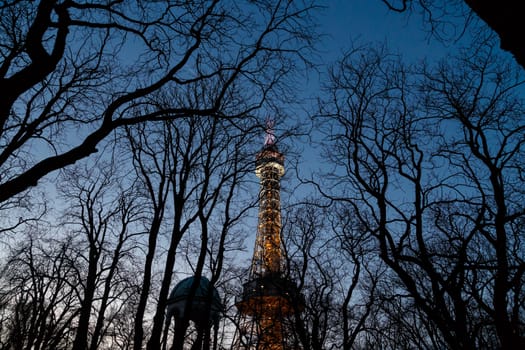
(269, 297)
(269, 138)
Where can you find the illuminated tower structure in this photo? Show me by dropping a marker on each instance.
(269, 298)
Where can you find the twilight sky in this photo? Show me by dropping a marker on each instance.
(370, 20)
(362, 22)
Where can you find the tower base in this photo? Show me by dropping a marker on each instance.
(267, 309)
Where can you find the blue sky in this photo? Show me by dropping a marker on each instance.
(370, 20)
(361, 21)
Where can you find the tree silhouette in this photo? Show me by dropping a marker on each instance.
(430, 166)
(73, 72)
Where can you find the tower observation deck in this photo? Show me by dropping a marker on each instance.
(269, 297)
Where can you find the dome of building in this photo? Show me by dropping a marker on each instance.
(204, 301)
(183, 288)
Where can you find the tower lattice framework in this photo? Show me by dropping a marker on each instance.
(270, 298)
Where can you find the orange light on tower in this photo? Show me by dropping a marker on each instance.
(269, 297)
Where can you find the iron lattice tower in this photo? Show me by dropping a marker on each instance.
(269, 297)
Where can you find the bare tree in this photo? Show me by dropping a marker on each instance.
(430, 164)
(151, 163)
(105, 214)
(484, 103)
(79, 70)
(195, 168)
(209, 163)
(309, 251)
(338, 273)
(40, 289)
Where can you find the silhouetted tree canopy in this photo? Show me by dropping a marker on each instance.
(71, 72)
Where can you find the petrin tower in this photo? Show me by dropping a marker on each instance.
(269, 297)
